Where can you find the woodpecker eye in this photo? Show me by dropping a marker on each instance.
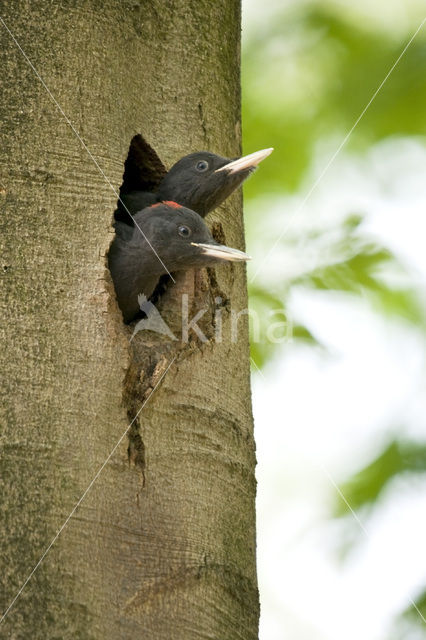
(183, 231)
(203, 165)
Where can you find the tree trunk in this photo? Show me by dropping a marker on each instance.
(163, 542)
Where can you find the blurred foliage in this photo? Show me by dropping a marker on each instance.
(412, 613)
(352, 264)
(310, 75)
(307, 76)
(360, 274)
(365, 487)
(269, 309)
(399, 459)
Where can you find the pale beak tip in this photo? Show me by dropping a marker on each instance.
(246, 162)
(222, 252)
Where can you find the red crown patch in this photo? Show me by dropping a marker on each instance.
(169, 203)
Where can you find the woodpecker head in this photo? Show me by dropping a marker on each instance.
(181, 238)
(203, 180)
(166, 237)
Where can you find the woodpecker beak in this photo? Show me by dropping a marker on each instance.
(222, 252)
(246, 162)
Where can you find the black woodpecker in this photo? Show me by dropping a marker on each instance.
(165, 237)
(199, 181)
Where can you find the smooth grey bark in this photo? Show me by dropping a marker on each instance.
(174, 558)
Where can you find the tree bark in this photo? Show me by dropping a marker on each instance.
(163, 544)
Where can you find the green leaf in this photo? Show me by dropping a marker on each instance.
(359, 275)
(365, 487)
